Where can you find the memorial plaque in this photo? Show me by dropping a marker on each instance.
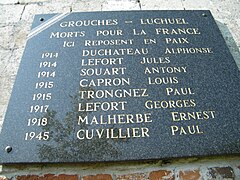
(116, 86)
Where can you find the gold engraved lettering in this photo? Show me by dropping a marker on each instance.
(186, 130)
(193, 50)
(166, 104)
(101, 61)
(179, 91)
(149, 41)
(67, 34)
(104, 106)
(185, 116)
(102, 71)
(107, 42)
(113, 133)
(172, 31)
(104, 82)
(114, 52)
(163, 70)
(139, 32)
(176, 40)
(163, 21)
(115, 119)
(79, 23)
(112, 32)
(162, 80)
(153, 60)
(118, 93)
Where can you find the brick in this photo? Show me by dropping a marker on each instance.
(67, 177)
(189, 175)
(161, 175)
(98, 177)
(27, 177)
(59, 177)
(136, 176)
(48, 177)
(221, 172)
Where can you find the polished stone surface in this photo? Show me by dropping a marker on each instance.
(181, 103)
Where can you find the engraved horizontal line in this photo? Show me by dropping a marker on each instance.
(46, 25)
(128, 22)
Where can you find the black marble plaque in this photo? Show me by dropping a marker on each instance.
(116, 86)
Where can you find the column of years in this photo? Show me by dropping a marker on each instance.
(42, 95)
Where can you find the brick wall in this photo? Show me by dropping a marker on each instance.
(182, 169)
(15, 21)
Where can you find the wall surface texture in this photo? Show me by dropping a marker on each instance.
(15, 21)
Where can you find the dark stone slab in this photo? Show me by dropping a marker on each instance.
(116, 86)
